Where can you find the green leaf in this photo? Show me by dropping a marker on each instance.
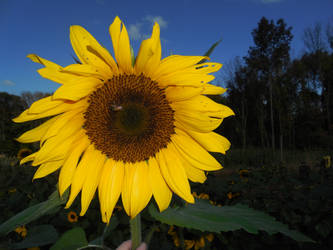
(38, 236)
(33, 213)
(210, 50)
(206, 217)
(71, 240)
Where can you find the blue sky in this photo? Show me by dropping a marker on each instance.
(188, 27)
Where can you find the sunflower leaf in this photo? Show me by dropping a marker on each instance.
(71, 240)
(206, 217)
(209, 51)
(34, 212)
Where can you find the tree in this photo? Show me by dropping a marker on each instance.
(269, 59)
(313, 39)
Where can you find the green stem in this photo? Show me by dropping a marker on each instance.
(136, 231)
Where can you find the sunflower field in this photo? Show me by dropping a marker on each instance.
(137, 146)
(300, 197)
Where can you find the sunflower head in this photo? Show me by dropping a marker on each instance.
(23, 152)
(72, 217)
(22, 231)
(127, 130)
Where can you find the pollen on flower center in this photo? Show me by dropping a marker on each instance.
(129, 118)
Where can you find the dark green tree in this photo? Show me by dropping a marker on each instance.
(269, 59)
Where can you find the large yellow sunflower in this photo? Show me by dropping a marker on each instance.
(137, 130)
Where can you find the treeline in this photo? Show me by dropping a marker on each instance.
(282, 102)
(10, 107)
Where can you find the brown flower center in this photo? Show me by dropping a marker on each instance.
(129, 118)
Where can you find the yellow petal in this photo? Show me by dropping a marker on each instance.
(30, 157)
(181, 93)
(191, 151)
(89, 51)
(196, 121)
(93, 176)
(193, 173)
(110, 187)
(52, 71)
(64, 106)
(57, 75)
(175, 63)
(67, 171)
(211, 141)
(149, 55)
(80, 174)
(86, 70)
(129, 171)
(37, 133)
(181, 78)
(203, 105)
(47, 168)
(137, 189)
(121, 45)
(43, 105)
(55, 148)
(161, 191)
(60, 122)
(44, 62)
(209, 89)
(174, 173)
(77, 90)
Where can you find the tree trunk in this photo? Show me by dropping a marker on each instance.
(270, 82)
(281, 138)
(328, 108)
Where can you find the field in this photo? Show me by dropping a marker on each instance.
(297, 192)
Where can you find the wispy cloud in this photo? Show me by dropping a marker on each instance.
(160, 20)
(135, 30)
(7, 83)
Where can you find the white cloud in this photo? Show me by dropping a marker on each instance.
(158, 19)
(135, 32)
(8, 83)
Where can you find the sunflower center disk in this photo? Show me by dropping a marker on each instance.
(132, 119)
(129, 118)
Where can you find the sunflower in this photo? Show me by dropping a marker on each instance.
(72, 217)
(22, 231)
(134, 130)
(22, 153)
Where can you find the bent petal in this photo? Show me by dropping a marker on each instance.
(191, 151)
(89, 51)
(149, 55)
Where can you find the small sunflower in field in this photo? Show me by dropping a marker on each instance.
(24, 152)
(72, 217)
(22, 231)
(130, 128)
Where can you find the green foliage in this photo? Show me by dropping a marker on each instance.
(34, 212)
(71, 240)
(40, 235)
(206, 217)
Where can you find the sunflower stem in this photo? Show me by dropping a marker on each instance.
(135, 225)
